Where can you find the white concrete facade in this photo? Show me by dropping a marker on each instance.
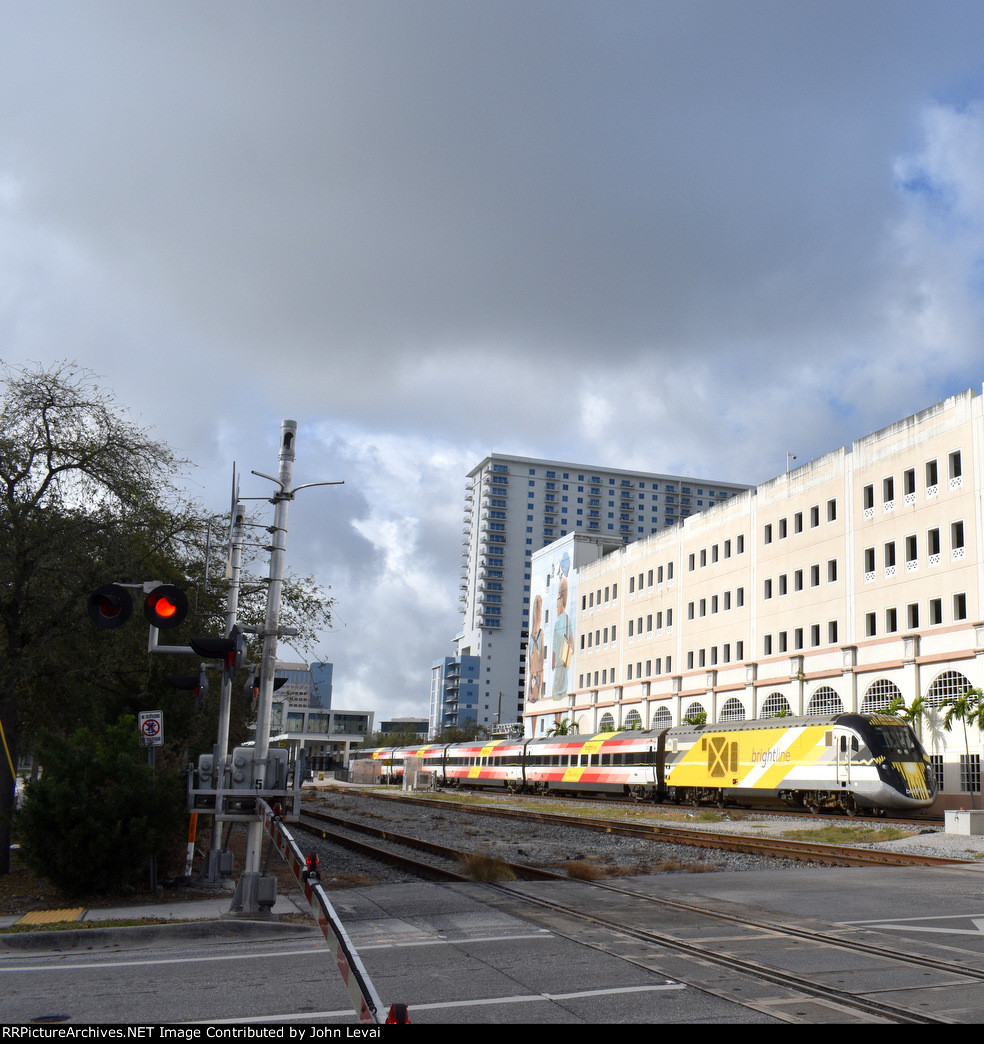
(516, 505)
(841, 584)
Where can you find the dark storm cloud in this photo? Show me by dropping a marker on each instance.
(677, 236)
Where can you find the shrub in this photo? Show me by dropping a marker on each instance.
(98, 813)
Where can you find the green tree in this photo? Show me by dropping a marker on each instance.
(86, 498)
(563, 727)
(968, 710)
(98, 814)
(76, 476)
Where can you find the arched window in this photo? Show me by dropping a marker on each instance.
(695, 713)
(825, 701)
(633, 720)
(776, 705)
(879, 695)
(662, 719)
(607, 723)
(946, 686)
(732, 710)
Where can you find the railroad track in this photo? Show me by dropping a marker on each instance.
(781, 848)
(442, 862)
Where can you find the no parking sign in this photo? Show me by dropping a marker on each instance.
(151, 725)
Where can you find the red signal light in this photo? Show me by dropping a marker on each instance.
(166, 606)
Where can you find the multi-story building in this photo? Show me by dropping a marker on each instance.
(516, 505)
(843, 584)
(326, 737)
(307, 685)
(454, 693)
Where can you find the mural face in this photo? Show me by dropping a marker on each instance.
(550, 648)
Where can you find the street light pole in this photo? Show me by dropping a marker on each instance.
(256, 892)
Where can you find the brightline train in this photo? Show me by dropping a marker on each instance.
(855, 763)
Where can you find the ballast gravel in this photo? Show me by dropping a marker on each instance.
(556, 846)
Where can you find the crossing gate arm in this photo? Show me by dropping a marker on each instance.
(354, 975)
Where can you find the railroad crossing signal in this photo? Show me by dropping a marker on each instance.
(110, 606)
(165, 607)
(231, 651)
(198, 683)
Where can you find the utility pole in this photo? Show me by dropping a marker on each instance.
(212, 870)
(256, 892)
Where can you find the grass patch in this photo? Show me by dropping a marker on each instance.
(846, 835)
(480, 866)
(584, 870)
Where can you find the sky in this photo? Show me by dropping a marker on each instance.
(681, 236)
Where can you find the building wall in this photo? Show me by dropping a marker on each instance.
(844, 582)
(516, 505)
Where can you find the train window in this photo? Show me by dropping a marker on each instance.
(895, 739)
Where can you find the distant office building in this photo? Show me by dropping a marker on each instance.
(307, 685)
(517, 505)
(454, 695)
(405, 725)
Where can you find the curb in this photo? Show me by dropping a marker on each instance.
(149, 934)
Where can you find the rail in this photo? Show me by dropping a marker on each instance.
(360, 988)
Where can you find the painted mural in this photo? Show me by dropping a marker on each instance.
(550, 648)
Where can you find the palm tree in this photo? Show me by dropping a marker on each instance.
(564, 727)
(968, 709)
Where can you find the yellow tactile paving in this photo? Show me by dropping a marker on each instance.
(51, 916)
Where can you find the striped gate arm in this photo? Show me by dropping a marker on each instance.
(357, 982)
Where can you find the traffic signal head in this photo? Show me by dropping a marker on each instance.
(110, 606)
(165, 607)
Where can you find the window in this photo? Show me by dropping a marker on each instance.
(832, 571)
(768, 534)
(957, 539)
(891, 620)
(798, 522)
(767, 645)
(911, 551)
(909, 483)
(815, 576)
(870, 624)
(955, 466)
(936, 611)
(932, 476)
(814, 516)
(832, 632)
(888, 492)
(970, 773)
(933, 544)
(798, 580)
(868, 498)
(959, 607)
(768, 589)
(831, 510)
(912, 615)
(869, 560)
